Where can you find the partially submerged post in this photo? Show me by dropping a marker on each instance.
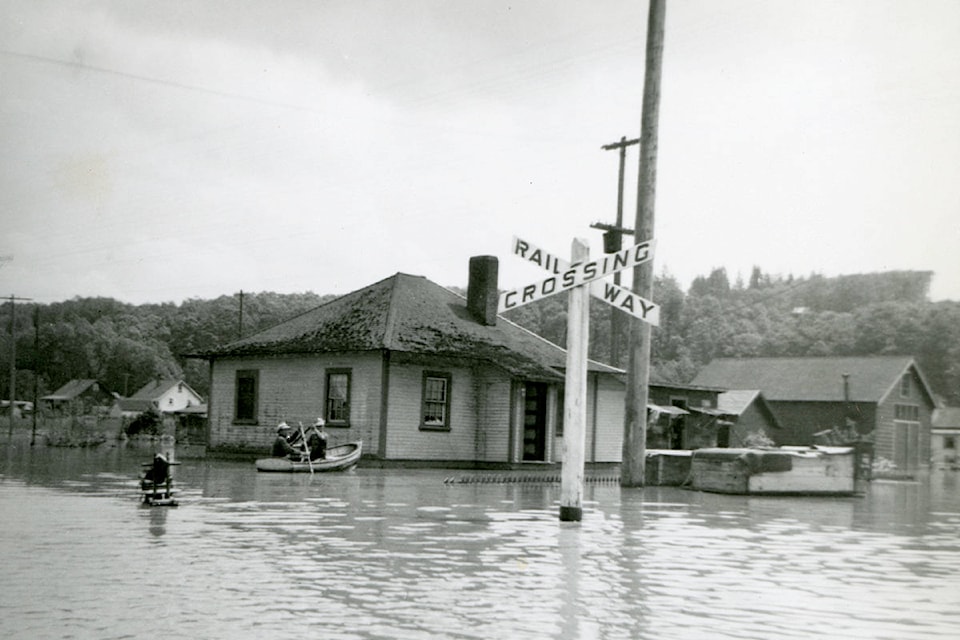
(575, 395)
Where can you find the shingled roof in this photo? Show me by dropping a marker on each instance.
(71, 390)
(810, 379)
(407, 313)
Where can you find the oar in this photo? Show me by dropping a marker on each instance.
(306, 447)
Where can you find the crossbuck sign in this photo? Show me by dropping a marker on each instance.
(566, 276)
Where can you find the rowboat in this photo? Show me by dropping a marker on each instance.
(339, 458)
(816, 470)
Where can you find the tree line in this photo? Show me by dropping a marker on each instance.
(124, 346)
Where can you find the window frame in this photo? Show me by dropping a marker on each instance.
(905, 385)
(424, 402)
(246, 374)
(327, 413)
(906, 413)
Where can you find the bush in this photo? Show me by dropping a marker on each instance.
(758, 440)
(149, 423)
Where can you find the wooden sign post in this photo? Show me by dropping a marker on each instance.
(581, 278)
(575, 395)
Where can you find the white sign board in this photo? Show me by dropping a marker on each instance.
(567, 276)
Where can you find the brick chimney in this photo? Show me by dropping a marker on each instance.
(482, 293)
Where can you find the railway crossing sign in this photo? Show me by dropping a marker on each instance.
(566, 276)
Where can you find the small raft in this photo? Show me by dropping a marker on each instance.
(339, 458)
(156, 483)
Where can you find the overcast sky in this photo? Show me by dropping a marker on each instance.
(159, 151)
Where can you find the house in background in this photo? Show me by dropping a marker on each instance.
(79, 397)
(945, 438)
(746, 413)
(163, 395)
(682, 416)
(416, 371)
(883, 397)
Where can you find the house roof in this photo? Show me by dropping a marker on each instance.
(871, 378)
(407, 313)
(946, 418)
(736, 401)
(157, 387)
(71, 390)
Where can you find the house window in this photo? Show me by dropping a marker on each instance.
(245, 411)
(905, 386)
(906, 412)
(337, 411)
(436, 401)
(949, 442)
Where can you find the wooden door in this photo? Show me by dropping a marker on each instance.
(535, 422)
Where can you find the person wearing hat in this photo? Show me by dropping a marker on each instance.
(281, 446)
(317, 442)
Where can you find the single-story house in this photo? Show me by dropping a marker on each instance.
(416, 371)
(79, 397)
(884, 398)
(745, 413)
(163, 395)
(945, 438)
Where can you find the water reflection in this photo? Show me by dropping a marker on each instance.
(400, 554)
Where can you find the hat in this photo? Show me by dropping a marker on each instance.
(319, 422)
(283, 426)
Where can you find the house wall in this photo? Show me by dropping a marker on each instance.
(752, 420)
(292, 389)
(603, 438)
(800, 420)
(478, 396)
(889, 437)
(178, 397)
(943, 456)
(605, 443)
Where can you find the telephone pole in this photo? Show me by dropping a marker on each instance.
(13, 358)
(632, 468)
(613, 241)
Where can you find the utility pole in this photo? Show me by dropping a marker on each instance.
(632, 468)
(613, 241)
(240, 320)
(36, 372)
(13, 358)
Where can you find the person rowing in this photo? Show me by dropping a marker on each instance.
(317, 440)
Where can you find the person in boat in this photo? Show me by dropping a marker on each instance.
(317, 442)
(281, 446)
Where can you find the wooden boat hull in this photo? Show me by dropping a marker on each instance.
(783, 471)
(339, 458)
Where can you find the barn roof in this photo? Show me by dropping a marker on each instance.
(811, 379)
(411, 314)
(71, 390)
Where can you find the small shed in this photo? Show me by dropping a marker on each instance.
(745, 414)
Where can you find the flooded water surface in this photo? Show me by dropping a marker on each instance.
(407, 554)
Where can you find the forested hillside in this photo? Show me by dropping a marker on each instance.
(871, 314)
(124, 345)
